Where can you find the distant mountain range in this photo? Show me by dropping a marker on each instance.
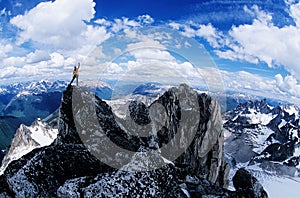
(30, 100)
(26, 101)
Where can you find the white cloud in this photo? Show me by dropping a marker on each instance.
(145, 19)
(295, 13)
(18, 4)
(64, 40)
(210, 34)
(232, 55)
(124, 23)
(174, 25)
(288, 85)
(188, 31)
(114, 68)
(260, 41)
(37, 56)
(247, 82)
(4, 49)
(93, 36)
(151, 55)
(8, 72)
(103, 22)
(146, 43)
(286, 89)
(13, 61)
(3, 11)
(57, 60)
(59, 23)
(37, 65)
(263, 41)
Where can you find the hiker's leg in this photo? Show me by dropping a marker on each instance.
(72, 79)
(77, 79)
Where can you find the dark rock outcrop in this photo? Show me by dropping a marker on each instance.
(247, 186)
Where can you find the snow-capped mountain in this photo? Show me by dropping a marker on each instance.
(33, 87)
(26, 139)
(265, 139)
(27, 98)
(41, 95)
(268, 133)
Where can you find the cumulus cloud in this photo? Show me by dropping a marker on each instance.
(124, 23)
(279, 88)
(243, 80)
(37, 65)
(59, 23)
(61, 26)
(8, 72)
(37, 56)
(68, 40)
(148, 38)
(288, 84)
(151, 54)
(256, 42)
(263, 41)
(259, 41)
(13, 61)
(103, 22)
(5, 48)
(145, 19)
(208, 32)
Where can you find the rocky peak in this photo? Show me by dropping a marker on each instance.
(26, 139)
(181, 155)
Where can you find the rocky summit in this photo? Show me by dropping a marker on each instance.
(172, 148)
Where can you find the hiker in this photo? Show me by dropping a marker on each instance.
(75, 74)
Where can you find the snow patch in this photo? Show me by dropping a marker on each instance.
(292, 109)
(259, 118)
(283, 122)
(42, 133)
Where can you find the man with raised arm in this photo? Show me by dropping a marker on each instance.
(75, 74)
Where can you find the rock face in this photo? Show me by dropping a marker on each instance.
(75, 166)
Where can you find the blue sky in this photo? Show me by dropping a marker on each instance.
(254, 45)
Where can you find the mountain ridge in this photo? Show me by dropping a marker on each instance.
(67, 168)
